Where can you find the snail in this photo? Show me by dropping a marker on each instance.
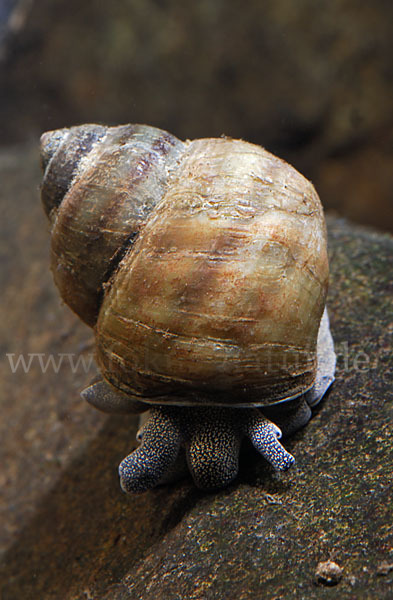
(202, 267)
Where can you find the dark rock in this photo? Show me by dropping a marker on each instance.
(69, 530)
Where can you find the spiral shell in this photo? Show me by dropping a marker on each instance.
(100, 185)
(202, 265)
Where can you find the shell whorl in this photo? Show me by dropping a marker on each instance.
(100, 185)
(223, 292)
(61, 152)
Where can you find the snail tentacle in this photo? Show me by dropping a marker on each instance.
(144, 468)
(264, 436)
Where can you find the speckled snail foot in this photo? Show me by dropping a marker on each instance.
(211, 437)
(202, 268)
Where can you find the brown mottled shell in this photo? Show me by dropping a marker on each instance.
(99, 187)
(223, 275)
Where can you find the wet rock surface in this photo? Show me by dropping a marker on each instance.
(69, 532)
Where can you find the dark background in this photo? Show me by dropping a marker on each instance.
(310, 80)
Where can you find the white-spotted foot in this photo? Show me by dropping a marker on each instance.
(211, 437)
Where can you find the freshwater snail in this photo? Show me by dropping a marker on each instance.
(202, 267)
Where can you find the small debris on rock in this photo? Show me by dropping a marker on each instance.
(384, 568)
(328, 573)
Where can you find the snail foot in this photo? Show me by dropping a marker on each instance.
(209, 437)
